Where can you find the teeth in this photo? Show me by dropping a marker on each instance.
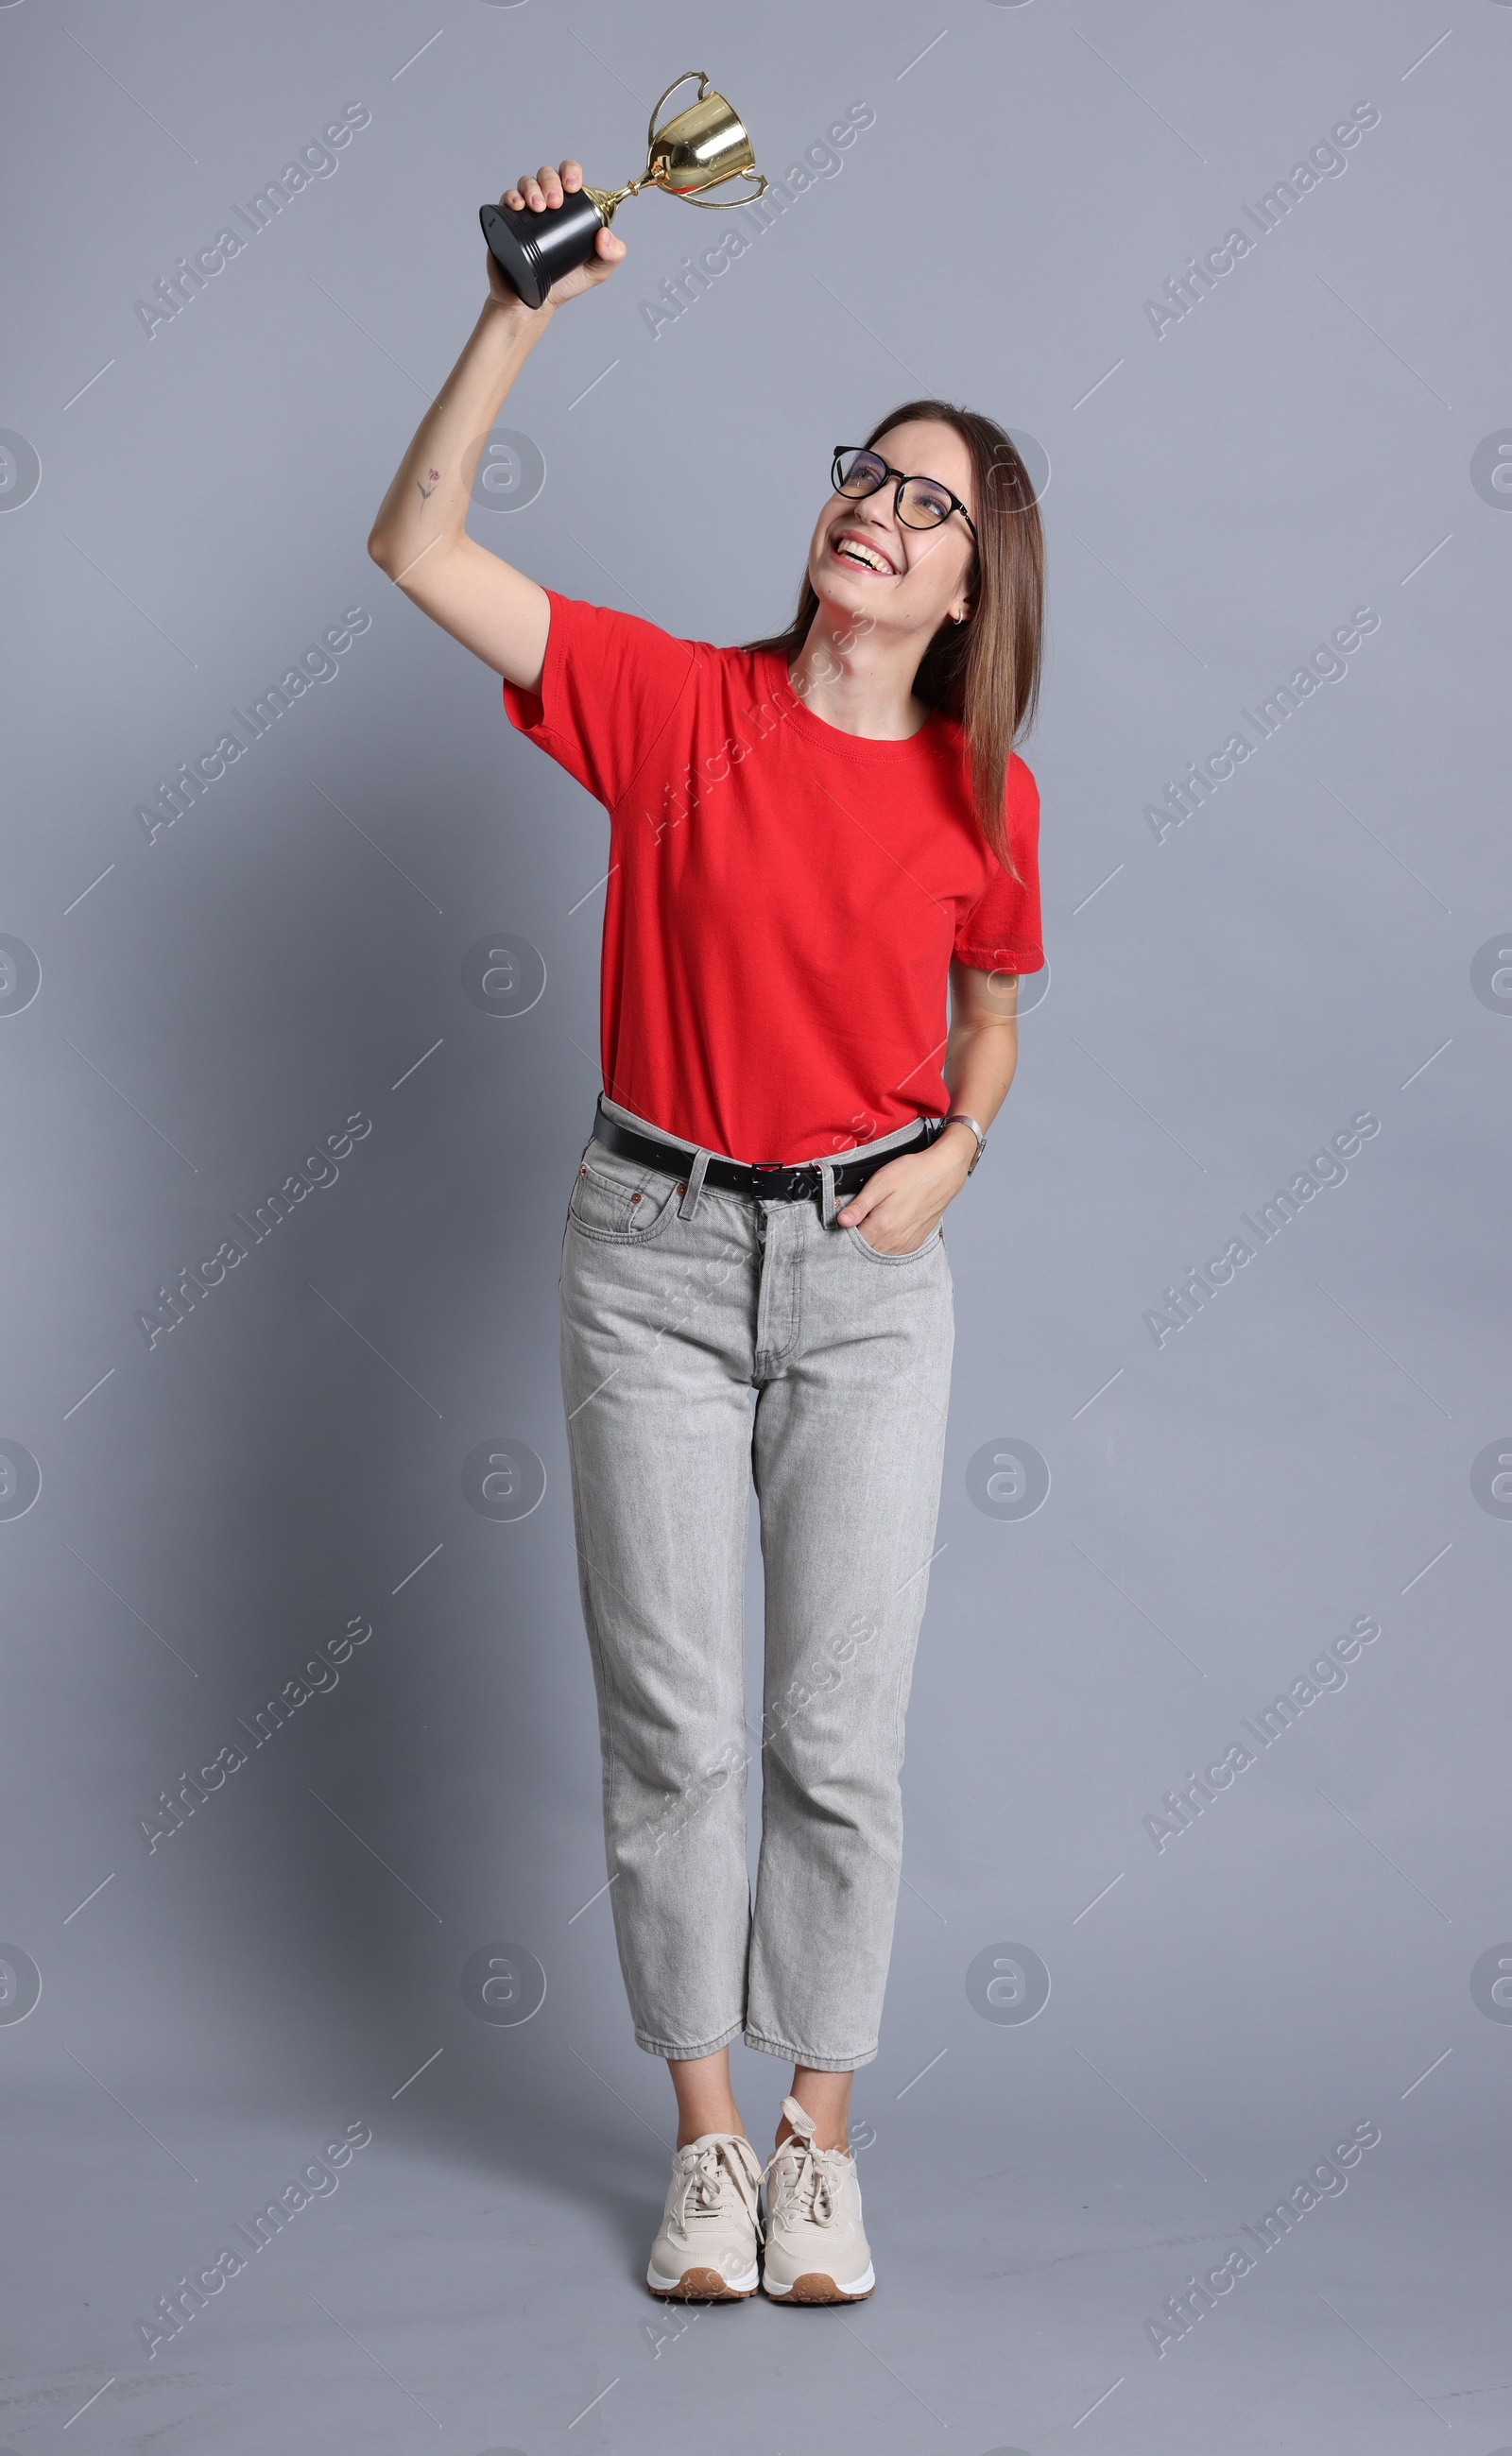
(857, 553)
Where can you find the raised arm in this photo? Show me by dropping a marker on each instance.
(419, 536)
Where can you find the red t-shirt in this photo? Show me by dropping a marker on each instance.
(783, 900)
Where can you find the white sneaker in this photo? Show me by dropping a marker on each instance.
(705, 2250)
(816, 2245)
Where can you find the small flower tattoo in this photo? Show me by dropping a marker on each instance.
(427, 492)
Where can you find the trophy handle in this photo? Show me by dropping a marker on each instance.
(726, 204)
(701, 75)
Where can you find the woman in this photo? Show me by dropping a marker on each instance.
(810, 838)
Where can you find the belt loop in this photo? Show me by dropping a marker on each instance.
(826, 1179)
(689, 1205)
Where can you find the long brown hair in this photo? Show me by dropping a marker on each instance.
(983, 672)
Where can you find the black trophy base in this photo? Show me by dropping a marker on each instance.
(533, 249)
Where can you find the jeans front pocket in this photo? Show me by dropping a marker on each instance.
(915, 1254)
(619, 1201)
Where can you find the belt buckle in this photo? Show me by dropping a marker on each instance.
(768, 1179)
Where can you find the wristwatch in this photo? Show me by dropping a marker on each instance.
(959, 1118)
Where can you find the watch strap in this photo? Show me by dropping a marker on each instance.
(961, 1118)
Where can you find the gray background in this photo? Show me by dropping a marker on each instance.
(212, 1003)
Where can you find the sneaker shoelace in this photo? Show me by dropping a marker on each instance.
(807, 2180)
(727, 2158)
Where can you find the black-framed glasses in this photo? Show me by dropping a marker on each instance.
(920, 502)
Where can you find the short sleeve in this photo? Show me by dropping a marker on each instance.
(608, 686)
(1001, 931)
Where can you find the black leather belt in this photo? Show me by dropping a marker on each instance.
(765, 1182)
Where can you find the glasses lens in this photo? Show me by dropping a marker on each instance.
(925, 504)
(858, 473)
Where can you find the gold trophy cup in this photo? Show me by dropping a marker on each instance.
(700, 148)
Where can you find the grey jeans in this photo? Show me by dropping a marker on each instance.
(708, 1339)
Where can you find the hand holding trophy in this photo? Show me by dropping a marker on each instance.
(700, 148)
(540, 192)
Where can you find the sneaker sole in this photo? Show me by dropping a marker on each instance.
(814, 2286)
(701, 2285)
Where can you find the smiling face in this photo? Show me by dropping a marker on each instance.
(864, 561)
